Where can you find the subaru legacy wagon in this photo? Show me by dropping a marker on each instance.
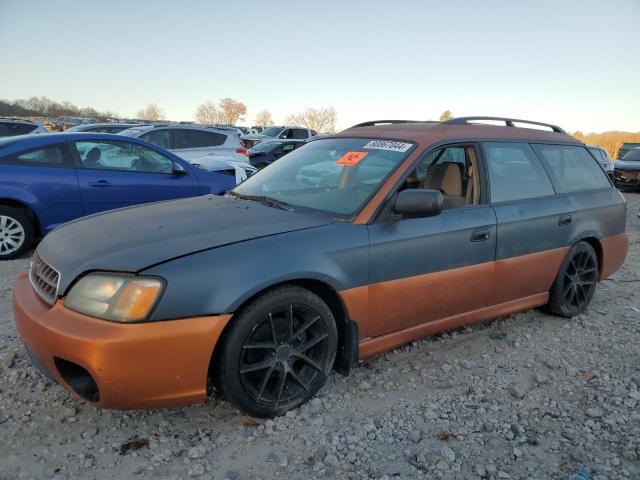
(414, 228)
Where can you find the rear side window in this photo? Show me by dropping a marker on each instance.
(571, 167)
(11, 129)
(160, 138)
(184, 138)
(299, 133)
(515, 173)
(51, 156)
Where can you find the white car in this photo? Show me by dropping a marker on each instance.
(279, 132)
(211, 148)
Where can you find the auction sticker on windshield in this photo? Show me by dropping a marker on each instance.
(351, 158)
(388, 145)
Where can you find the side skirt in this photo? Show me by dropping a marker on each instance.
(383, 343)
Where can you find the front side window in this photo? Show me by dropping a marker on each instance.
(452, 171)
(571, 167)
(160, 138)
(51, 156)
(299, 133)
(515, 173)
(334, 176)
(129, 157)
(271, 131)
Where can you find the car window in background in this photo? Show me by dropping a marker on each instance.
(161, 138)
(115, 155)
(632, 155)
(271, 131)
(515, 173)
(571, 167)
(185, 138)
(599, 154)
(11, 129)
(299, 134)
(51, 156)
(335, 176)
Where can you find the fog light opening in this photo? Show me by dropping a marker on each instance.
(78, 379)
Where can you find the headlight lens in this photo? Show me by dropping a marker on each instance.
(119, 298)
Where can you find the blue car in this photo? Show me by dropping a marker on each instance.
(267, 152)
(48, 180)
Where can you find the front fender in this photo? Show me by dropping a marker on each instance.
(220, 280)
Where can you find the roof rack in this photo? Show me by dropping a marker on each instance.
(385, 122)
(509, 122)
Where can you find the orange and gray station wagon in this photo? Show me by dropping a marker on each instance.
(351, 245)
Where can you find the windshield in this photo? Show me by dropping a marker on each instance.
(335, 176)
(271, 131)
(265, 146)
(633, 155)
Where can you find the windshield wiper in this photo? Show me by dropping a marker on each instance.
(271, 202)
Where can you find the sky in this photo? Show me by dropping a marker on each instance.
(575, 63)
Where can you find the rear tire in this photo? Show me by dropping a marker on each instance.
(277, 353)
(575, 284)
(16, 232)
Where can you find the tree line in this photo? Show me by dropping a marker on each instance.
(45, 107)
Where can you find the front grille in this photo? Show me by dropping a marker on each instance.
(44, 279)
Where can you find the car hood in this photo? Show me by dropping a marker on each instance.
(134, 238)
(633, 165)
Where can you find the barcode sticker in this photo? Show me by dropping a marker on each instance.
(388, 145)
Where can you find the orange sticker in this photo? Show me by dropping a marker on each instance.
(351, 158)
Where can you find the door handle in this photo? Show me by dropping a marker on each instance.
(100, 183)
(564, 220)
(480, 235)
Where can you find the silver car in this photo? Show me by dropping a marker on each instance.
(211, 148)
(279, 132)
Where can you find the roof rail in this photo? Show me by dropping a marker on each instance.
(508, 122)
(385, 122)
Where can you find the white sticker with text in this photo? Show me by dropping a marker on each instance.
(388, 145)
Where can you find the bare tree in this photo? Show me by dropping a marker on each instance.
(207, 113)
(150, 112)
(446, 115)
(264, 119)
(231, 111)
(318, 119)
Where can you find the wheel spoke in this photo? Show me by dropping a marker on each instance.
(280, 387)
(305, 326)
(273, 329)
(290, 320)
(255, 367)
(308, 361)
(265, 381)
(298, 380)
(310, 343)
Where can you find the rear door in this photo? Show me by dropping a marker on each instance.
(426, 269)
(45, 179)
(114, 174)
(534, 224)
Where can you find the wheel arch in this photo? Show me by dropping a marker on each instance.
(347, 352)
(31, 213)
(593, 239)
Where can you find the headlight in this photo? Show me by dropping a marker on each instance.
(119, 298)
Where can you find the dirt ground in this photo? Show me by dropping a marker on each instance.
(527, 397)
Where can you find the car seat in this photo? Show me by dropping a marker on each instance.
(447, 178)
(92, 158)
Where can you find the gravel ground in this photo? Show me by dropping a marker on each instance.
(527, 397)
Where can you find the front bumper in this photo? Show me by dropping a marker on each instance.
(133, 366)
(623, 178)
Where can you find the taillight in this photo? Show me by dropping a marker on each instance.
(242, 151)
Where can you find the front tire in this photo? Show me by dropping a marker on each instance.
(277, 353)
(16, 232)
(575, 283)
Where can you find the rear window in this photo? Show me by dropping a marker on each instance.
(571, 167)
(11, 129)
(515, 173)
(185, 138)
(632, 155)
(50, 156)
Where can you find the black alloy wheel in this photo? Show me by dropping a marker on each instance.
(575, 283)
(278, 352)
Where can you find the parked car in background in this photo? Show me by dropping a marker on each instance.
(267, 152)
(603, 158)
(102, 127)
(626, 147)
(48, 180)
(626, 171)
(10, 127)
(425, 227)
(279, 132)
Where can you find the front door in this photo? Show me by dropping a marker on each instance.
(425, 269)
(115, 174)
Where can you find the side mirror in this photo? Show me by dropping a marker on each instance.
(178, 169)
(418, 203)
